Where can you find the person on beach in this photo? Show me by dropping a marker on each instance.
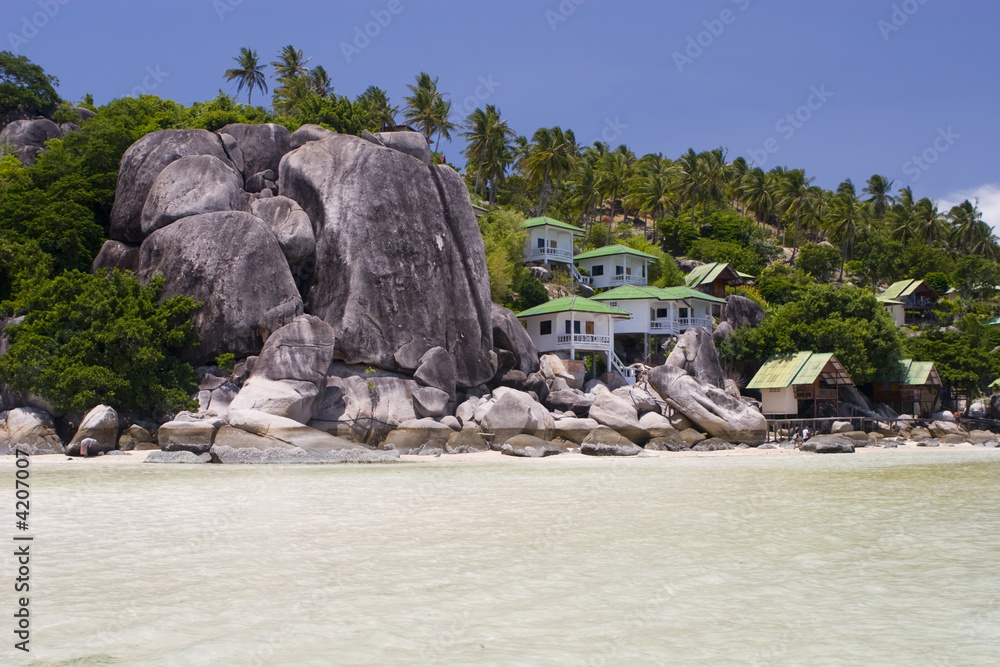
(805, 433)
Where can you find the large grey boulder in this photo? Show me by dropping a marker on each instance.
(30, 430)
(640, 397)
(695, 353)
(828, 444)
(411, 143)
(399, 270)
(290, 225)
(607, 442)
(575, 429)
(709, 407)
(571, 400)
(27, 137)
(412, 436)
(939, 429)
(514, 412)
(188, 186)
(136, 437)
(528, 446)
(740, 311)
(289, 376)
(510, 335)
(229, 261)
(657, 425)
(553, 368)
(101, 425)
(262, 146)
(187, 434)
(465, 442)
(116, 255)
(142, 163)
(618, 414)
(307, 133)
(437, 369)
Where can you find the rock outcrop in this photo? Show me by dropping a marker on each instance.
(740, 311)
(261, 146)
(141, 165)
(30, 430)
(28, 137)
(717, 413)
(511, 336)
(695, 353)
(230, 262)
(378, 245)
(189, 186)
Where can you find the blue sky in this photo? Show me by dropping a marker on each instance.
(841, 88)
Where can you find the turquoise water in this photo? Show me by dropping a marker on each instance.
(877, 559)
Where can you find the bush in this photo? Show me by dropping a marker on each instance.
(504, 237)
(26, 90)
(819, 261)
(662, 273)
(532, 293)
(676, 236)
(937, 282)
(779, 283)
(847, 321)
(740, 256)
(87, 340)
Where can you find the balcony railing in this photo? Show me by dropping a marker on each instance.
(584, 339)
(691, 322)
(623, 279)
(662, 326)
(545, 254)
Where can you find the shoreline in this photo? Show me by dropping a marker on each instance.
(138, 457)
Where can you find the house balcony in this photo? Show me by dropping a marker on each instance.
(584, 342)
(685, 323)
(662, 327)
(619, 280)
(549, 255)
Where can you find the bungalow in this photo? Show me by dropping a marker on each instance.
(576, 324)
(615, 265)
(914, 388)
(804, 376)
(894, 308)
(549, 240)
(713, 278)
(659, 312)
(917, 297)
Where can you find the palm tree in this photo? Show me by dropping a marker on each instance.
(613, 173)
(690, 180)
(902, 216)
(583, 189)
(715, 177)
(795, 199)
(290, 63)
(879, 191)
(845, 220)
(441, 115)
(249, 73)
(758, 194)
(930, 225)
(550, 156)
(376, 102)
(320, 82)
(488, 144)
(971, 233)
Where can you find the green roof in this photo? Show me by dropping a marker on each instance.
(627, 292)
(993, 321)
(614, 250)
(538, 222)
(915, 373)
(904, 288)
(882, 298)
(707, 273)
(565, 304)
(781, 371)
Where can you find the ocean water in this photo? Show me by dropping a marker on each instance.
(877, 559)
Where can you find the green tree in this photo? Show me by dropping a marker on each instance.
(89, 339)
(376, 102)
(504, 238)
(26, 90)
(249, 74)
(819, 261)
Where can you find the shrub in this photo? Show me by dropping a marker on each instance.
(89, 339)
(818, 260)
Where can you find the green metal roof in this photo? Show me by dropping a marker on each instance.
(707, 273)
(882, 298)
(915, 373)
(614, 250)
(538, 222)
(627, 292)
(904, 288)
(579, 304)
(798, 369)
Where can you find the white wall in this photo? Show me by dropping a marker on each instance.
(563, 239)
(897, 313)
(609, 263)
(779, 402)
(549, 343)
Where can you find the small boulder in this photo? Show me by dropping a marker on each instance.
(173, 457)
(30, 430)
(528, 446)
(411, 143)
(465, 442)
(574, 429)
(828, 444)
(409, 437)
(604, 441)
(437, 369)
(307, 133)
(616, 413)
(192, 436)
(941, 428)
(101, 425)
(691, 436)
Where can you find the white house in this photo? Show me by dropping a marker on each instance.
(615, 265)
(660, 311)
(575, 324)
(549, 240)
(895, 309)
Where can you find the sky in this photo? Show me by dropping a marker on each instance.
(840, 88)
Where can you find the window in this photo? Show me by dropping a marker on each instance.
(619, 270)
(569, 329)
(613, 304)
(552, 243)
(683, 312)
(661, 313)
(541, 243)
(545, 327)
(598, 270)
(590, 328)
(576, 327)
(643, 270)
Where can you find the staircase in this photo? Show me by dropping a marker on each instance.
(627, 372)
(577, 276)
